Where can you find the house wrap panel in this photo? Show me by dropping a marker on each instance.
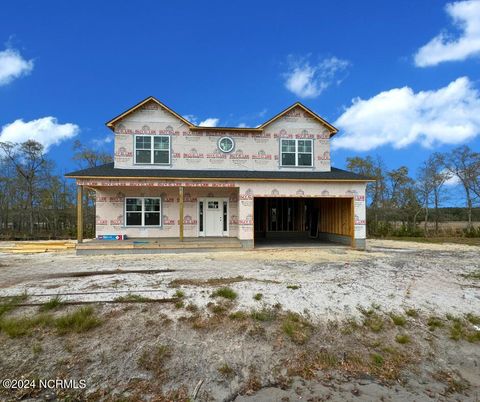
(197, 149)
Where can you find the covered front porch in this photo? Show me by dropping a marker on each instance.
(159, 215)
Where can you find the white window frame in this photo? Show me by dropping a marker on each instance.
(142, 212)
(152, 149)
(296, 152)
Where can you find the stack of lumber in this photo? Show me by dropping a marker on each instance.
(26, 247)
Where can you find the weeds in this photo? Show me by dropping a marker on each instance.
(434, 323)
(402, 338)
(238, 315)
(226, 371)
(398, 319)
(53, 304)
(258, 297)
(10, 303)
(81, 320)
(296, 328)
(411, 312)
(179, 304)
(473, 318)
(472, 275)
(179, 293)
(15, 327)
(264, 315)
(154, 360)
(377, 359)
(131, 298)
(293, 287)
(226, 293)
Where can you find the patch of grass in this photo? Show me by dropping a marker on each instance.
(7, 304)
(226, 293)
(474, 319)
(81, 320)
(15, 327)
(461, 329)
(374, 322)
(366, 311)
(155, 359)
(238, 315)
(264, 315)
(411, 312)
(402, 338)
(296, 328)
(293, 287)
(258, 296)
(131, 298)
(398, 319)
(472, 275)
(434, 323)
(349, 326)
(53, 304)
(377, 359)
(179, 304)
(226, 371)
(179, 293)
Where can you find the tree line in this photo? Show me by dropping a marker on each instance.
(37, 203)
(398, 203)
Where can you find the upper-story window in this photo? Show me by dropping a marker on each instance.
(152, 149)
(296, 152)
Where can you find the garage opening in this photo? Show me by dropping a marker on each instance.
(303, 221)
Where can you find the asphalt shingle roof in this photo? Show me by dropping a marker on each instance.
(108, 170)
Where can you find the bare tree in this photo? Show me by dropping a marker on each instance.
(89, 157)
(375, 169)
(464, 163)
(29, 160)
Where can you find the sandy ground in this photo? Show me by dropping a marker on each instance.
(333, 281)
(325, 285)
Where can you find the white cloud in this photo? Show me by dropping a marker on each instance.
(46, 130)
(191, 118)
(13, 65)
(242, 125)
(445, 47)
(309, 81)
(210, 122)
(400, 117)
(452, 181)
(99, 142)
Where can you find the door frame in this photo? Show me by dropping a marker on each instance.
(204, 200)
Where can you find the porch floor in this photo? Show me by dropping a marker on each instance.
(157, 245)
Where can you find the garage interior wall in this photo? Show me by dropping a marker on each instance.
(308, 217)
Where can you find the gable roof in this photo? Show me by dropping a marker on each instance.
(332, 129)
(111, 123)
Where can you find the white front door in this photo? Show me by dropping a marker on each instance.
(213, 216)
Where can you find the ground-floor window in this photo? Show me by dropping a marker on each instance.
(142, 211)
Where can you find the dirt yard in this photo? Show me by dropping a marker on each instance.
(400, 322)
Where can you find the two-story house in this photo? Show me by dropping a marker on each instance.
(173, 179)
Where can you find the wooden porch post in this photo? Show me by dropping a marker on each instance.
(79, 214)
(180, 196)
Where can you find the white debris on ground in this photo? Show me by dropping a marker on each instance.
(332, 282)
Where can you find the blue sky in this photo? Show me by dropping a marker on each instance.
(413, 67)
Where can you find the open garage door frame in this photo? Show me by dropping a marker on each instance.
(322, 218)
